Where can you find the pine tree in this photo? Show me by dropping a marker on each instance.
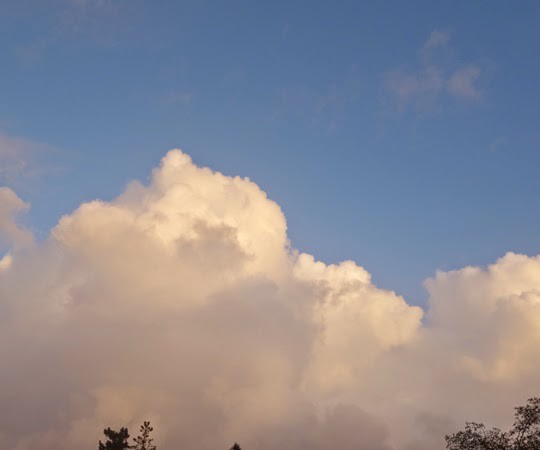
(235, 447)
(116, 440)
(144, 441)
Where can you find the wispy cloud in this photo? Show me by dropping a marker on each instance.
(322, 107)
(426, 84)
(13, 157)
(422, 87)
(436, 39)
(499, 143)
(22, 159)
(462, 83)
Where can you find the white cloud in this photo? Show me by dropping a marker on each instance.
(182, 302)
(462, 82)
(503, 302)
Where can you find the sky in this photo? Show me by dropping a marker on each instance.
(350, 224)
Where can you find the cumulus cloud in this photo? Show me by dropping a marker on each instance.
(503, 302)
(183, 302)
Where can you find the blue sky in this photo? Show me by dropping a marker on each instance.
(401, 135)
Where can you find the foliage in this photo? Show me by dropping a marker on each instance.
(116, 440)
(144, 441)
(524, 434)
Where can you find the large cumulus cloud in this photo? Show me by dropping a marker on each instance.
(182, 302)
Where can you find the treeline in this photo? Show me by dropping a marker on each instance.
(524, 434)
(119, 440)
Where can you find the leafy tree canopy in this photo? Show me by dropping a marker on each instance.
(524, 434)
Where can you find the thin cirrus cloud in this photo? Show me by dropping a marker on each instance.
(425, 86)
(183, 302)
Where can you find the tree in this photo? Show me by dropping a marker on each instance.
(235, 447)
(526, 429)
(144, 441)
(524, 434)
(116, 440)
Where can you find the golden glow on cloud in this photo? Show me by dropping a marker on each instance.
(182, 302)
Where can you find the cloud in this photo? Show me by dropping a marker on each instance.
(5, 262)
(20, 159)
(497, 144)
(437, 38)
(10, 232)
(503, 302)
(183, 302)
(422, 87)
(323, 107)
(462, 82)
(13, 157)
(425, 85)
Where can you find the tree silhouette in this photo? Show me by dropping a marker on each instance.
(526, 430)
(116, 440)
(235, 447)
(524, 434)
(144, 441)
